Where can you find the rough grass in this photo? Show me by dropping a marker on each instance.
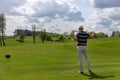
(58, 61)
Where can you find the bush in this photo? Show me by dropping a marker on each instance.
(21, 37)
(61, 38)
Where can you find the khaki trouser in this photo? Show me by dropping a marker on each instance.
(82, 50)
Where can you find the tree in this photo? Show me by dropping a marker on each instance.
(0, 40)
(2, 29)
(43, 35)
(21, 36)
(49, 37)
(33, 33)
(61, 38)
(115, 34)
(101, 35)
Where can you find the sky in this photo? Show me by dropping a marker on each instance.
(59, 16)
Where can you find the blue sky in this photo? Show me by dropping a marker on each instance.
(61, 16)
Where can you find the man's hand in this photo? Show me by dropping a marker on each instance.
(92, 35)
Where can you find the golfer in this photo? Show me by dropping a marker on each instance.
(81, 37)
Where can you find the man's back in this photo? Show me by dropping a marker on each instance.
(82, 38)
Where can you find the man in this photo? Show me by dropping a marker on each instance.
(81, 37)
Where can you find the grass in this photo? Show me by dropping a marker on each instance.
(58, 61)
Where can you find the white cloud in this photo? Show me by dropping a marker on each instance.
(23, 10)
(49, 8)
(14, 22)
(106, 17)
(53, 10)
(60, 26)
(105, 20)
(42, 13)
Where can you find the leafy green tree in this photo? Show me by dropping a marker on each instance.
(2, 29)
(43, 35)
(49, 37)
(101, 35)
(61, 38)
(115, 34)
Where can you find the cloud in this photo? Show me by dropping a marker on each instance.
(105, 20)
(6, 6)
(51, 8)
(14, 22)
(115, 14)
(32, 20)
(62, 15)
(74, 16)
(106, 16)
(115, 17)
(41, 13)
(111, 16)
(106, 3)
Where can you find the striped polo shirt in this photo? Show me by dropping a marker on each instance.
(82, 38)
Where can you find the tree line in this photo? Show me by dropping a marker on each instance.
(47, 36)
(44, 35)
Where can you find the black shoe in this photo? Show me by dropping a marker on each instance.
(80, 72)
(91, 72)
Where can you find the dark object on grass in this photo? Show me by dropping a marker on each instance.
(7, 56)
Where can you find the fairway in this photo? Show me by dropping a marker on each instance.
(58, 61)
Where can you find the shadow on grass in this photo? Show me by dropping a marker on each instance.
(95, 76)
